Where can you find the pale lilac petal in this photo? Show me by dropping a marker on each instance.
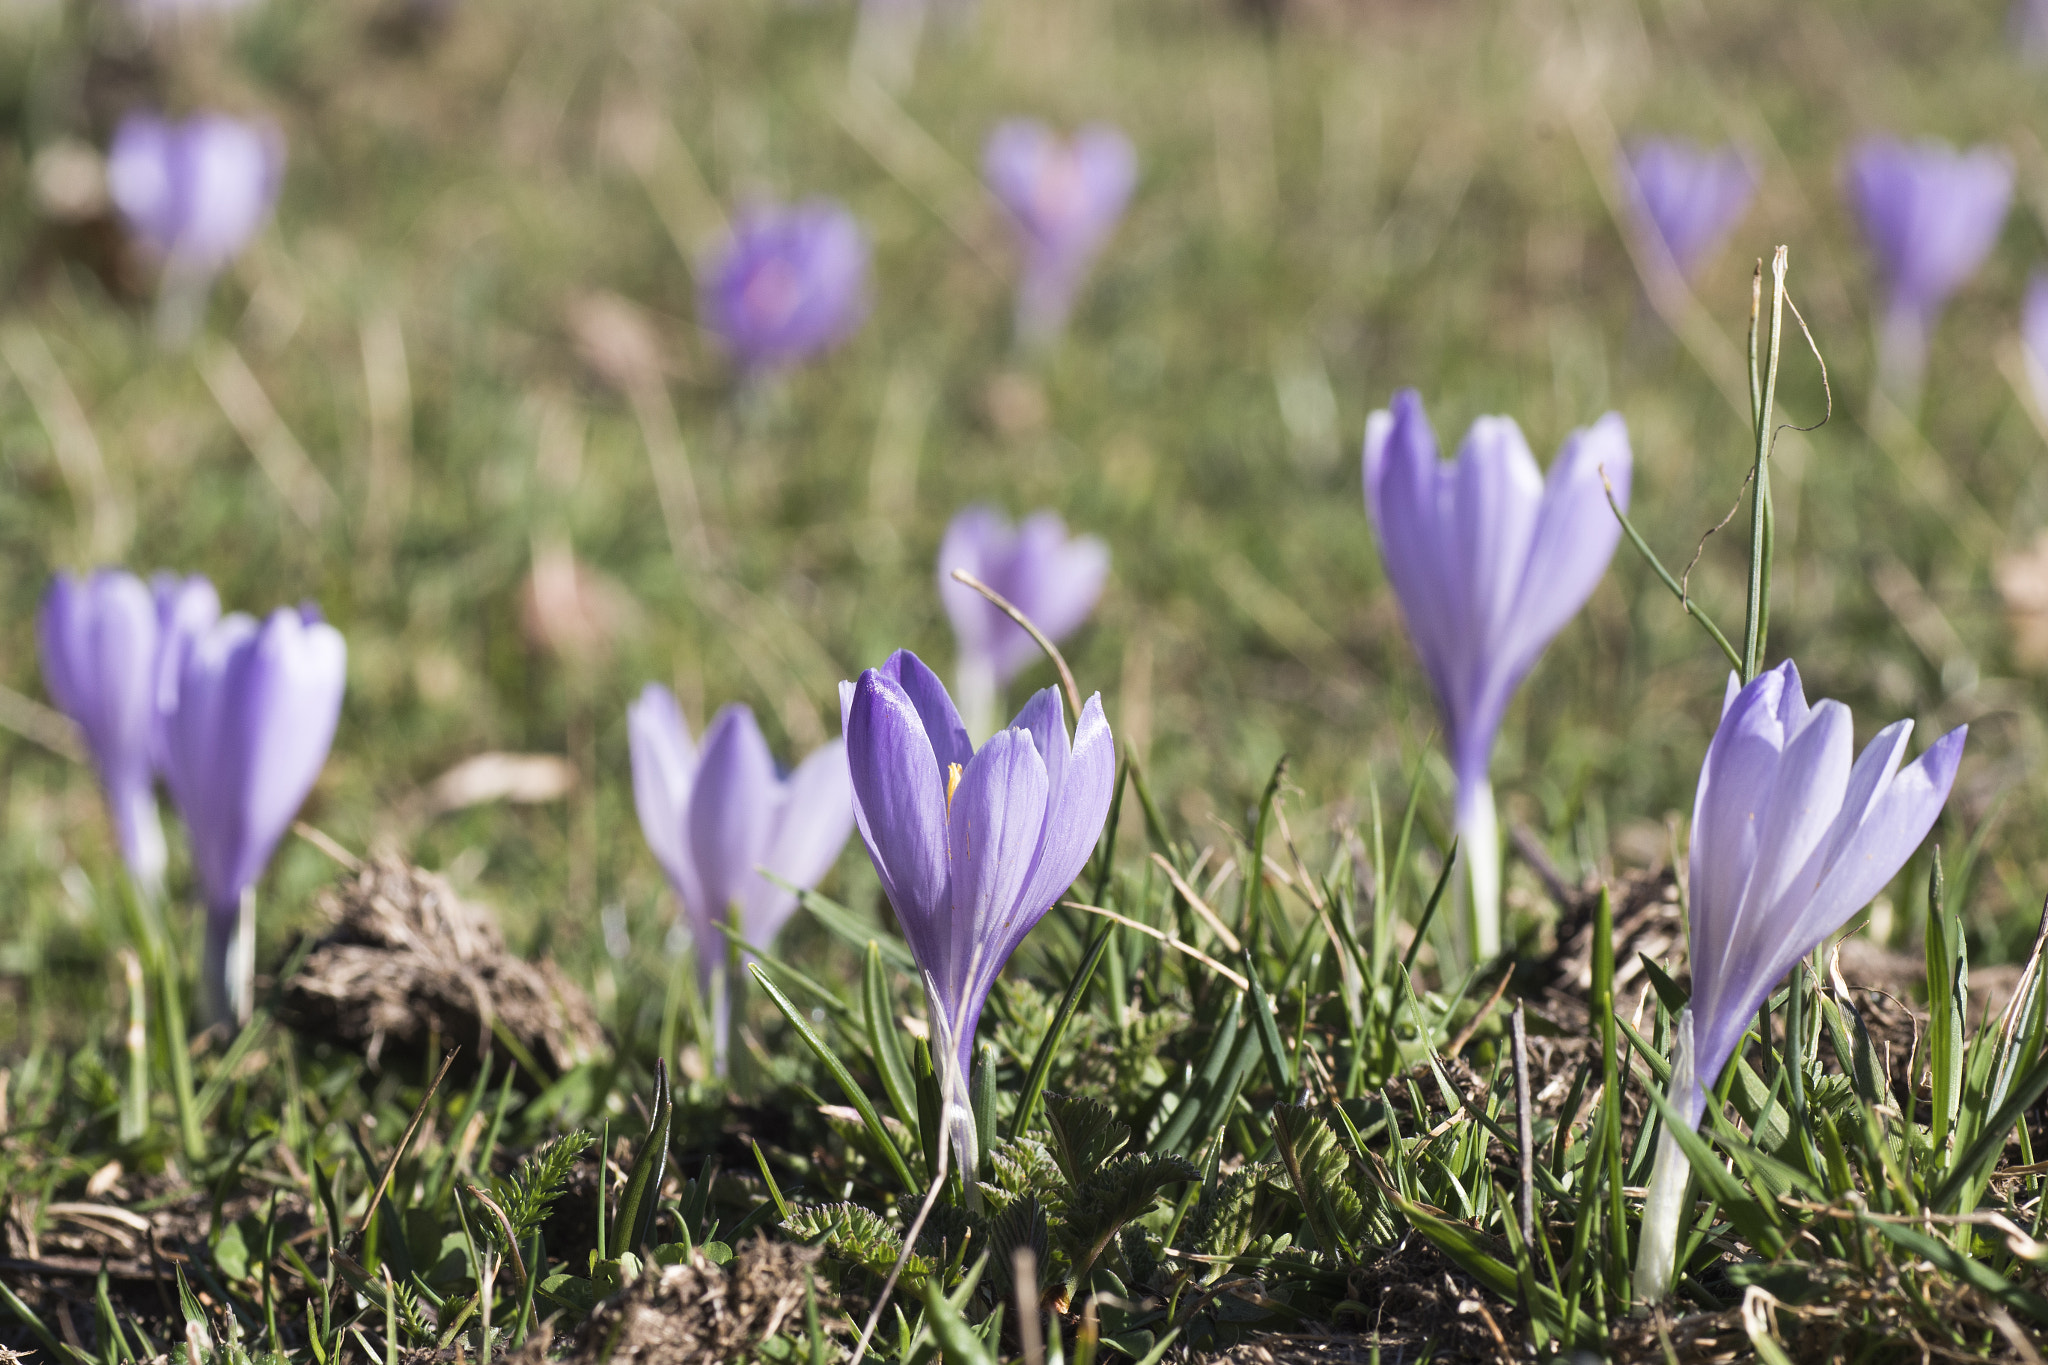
(1053, 580)
(734, 803)
(789, 284)
(1496, 494)
(977, 538)
(1405, 494)
(1930, 213)
(98, 641)
(1690, 197)
(298, 673)
(997, 817)
(814, 821)
(1575, 537)
(1079, 805)
(1736, 781)
(664, 765)
(195, 191)
(899, 793)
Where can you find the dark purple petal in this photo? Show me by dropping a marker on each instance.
(899, 793)
(942, 727)
(664, 767)
(811, 827)
(1407, 498)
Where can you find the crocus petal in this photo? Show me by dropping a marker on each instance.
(299, 672)
(1736, 780)
(815, 818)
(1688, 196)
(1078, 806)
(935, 710)
(664, 765)
(733, 804)
(997, 816)
(1404, 493)
(976, 538)
(899, 795)
(1575, 536)
(790, 283)
(1052, 579)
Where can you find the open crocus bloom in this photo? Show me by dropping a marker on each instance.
(256, 711)
(1490, 560)
(716, 816)
(1931, 215)
(1065, 198)
(1053, 578)
(789, 284)
(973, 846)
(1790, 837)
(195, 191)
(1689, 196)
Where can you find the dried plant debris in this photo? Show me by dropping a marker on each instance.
(410, 965)
(696, 1312)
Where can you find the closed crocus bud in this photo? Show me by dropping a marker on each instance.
(1489, 560)
(98, 640)
(1790, 838)
(195, 192)
(972, 846)
(718, 815)
(1931, 215)
(1691, 198)
(256, 710)
(1053, 578)
(789, 284)
(185, 609)
(1065, 199)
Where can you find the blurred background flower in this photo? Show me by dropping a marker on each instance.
(1689, 196)
(1064, 197)
(788, 285)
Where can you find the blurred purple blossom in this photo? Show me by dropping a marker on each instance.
(2028, 25)
(1051, 577)
(714, 816)
(195, 192)
(186, 607)
(1789, 839)
(789, 284)
(256, 711)
(1065, 199)
(1489, 561)
(973, 847)
(1689, 196)
(2034, 338)
(98, 641)
(1931, 215)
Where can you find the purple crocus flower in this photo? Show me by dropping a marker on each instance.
(195, 192)
(789, 284)
(256, 710)
(1065, 199)
(1051, 577)
(1789, 839)
(2028, 25)
(98, 639)
(972, 846)
(1931, 215)
(185, 609)
(1689, 196)
(1489, 560)
(716, 817)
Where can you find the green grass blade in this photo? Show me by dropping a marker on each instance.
(883, 1038)
(830, 1060)
(1049, 1046)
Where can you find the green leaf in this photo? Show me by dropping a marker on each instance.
(1277, 1060)
(858, 931)
(851, 1233)
(1953, 1262)
(1049, 1046)
(1756, 1219)
(1085, 1133)
(854, 1094)
(956, 1339)
(884, 1038)
(1990, 1140)
(634, 1217)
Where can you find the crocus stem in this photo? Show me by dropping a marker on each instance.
(231, 962)
(1479, 838)
(1902, 356)
(1665, 1204)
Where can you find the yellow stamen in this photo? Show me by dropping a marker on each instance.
(952, 785)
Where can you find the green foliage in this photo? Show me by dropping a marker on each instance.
(858, 1236)
(532, 1188)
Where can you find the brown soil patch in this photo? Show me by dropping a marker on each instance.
(409, 965)
(697, 1312)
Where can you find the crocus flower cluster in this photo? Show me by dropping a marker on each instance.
(789, 284)
(1064, 198)
(1931, 215)
(194, 192)
(1789, 839)
(1489, 560)
(973, 846)
(234, 715)
(718, 816)
(1690, 197)
(110, 650)
(1054, 579)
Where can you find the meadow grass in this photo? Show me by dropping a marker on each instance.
(1336, 200)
